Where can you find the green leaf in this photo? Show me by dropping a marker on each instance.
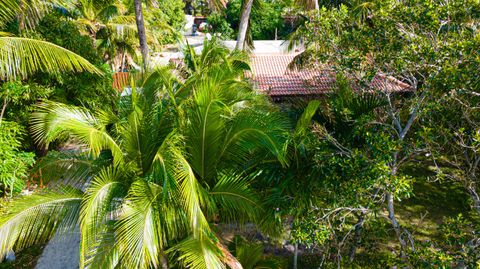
(36, 218)
(21, 57)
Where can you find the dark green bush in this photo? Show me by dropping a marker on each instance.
(264, 20)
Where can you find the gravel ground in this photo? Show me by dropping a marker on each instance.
(62, 252)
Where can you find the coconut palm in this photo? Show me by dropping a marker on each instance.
(20, 57)
(142, 36)
(111, 28)
(154, 178)
(244, 36)
(95, 16)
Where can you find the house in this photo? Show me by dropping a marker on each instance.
(271, 74)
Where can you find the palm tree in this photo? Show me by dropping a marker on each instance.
(177, 158)
(21, 57)
(243, 38)
(111, 28)
(244, 23)
(95, 16)
(142, 37)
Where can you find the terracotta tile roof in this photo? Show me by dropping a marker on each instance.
(389, 84)
(272, 75)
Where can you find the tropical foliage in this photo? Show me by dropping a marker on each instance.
(188, 166)
(266, 21)
(177, 158)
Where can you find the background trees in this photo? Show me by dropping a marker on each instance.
(414, 45)
(266, 22)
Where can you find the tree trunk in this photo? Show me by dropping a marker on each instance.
(141, 32)
(357, 238)
(395, 224)
(230, 260)
(244, 21)
(4, 107)
(475, 197)
(295, 256)
(391, 208)
(164, 261)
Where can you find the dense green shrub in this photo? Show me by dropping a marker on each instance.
(170, 15)
(18, 99)
(14, 163)
(87, 89)
(264, 20)
(221, 26)
(55, 28)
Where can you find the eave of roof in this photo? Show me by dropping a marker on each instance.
(272, 76)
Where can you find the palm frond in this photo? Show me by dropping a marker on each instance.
(98, 201)
(253, 135)
(235, 199)
(8, 11)
(53, 121)
(206, 128)
(67, 167)
(305, 119)
(162, 83)
(192, 196)
(145, 226)
(107, 252)
(29, 11)
(35, 219)
(199, 253)
(161, 164)
(20, 57)
(251, 255)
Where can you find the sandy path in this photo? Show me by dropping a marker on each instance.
(62, 252)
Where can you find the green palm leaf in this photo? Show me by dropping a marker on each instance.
(20, 57)
(253, 136)
(36, 218)
(235, 198)
(305, 119)
(8, 11)
(107, 252)
(206, 129)
(147, 222)
(199, 253)
(67, 167)
(193, 196)
(97, 202)
(53, 121)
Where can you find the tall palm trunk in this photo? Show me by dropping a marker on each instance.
(21, 16)
(141, 32)
(244, 20)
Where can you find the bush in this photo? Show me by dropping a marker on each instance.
(264, 20)
(170, 14)
(14, 164)
(92, 91)
(220, 25)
